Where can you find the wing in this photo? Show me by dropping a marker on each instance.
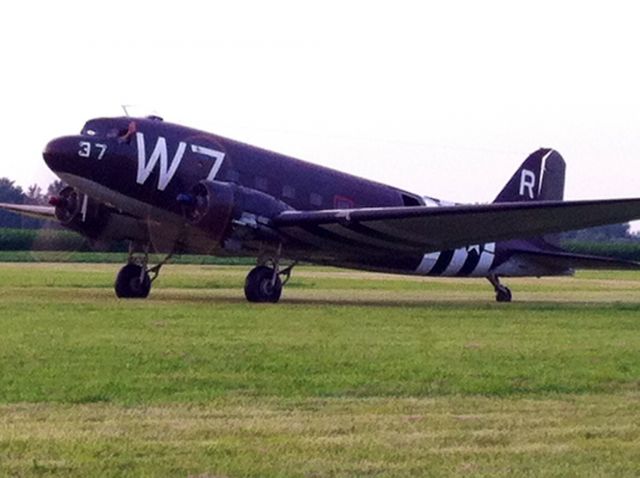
(39, 212)
(428, 229)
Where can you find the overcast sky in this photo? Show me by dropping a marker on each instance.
(440, 98)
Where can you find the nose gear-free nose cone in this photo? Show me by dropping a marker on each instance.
(61, 153)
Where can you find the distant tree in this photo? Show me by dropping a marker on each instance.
(55, 187)
(34, 195)
(611, 232)
(10, 193)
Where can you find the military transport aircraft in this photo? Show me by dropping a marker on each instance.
(170, 189)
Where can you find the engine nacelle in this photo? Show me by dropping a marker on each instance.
(79, 212)
(214, 206)
(97, 221)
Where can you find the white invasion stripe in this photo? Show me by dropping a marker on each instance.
(486, 260)
(457, 261)
(428, 261)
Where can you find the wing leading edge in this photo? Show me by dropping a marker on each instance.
(431, 229)
(38, 212)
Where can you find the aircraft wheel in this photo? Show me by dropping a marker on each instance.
(503, 294)
(132, 282)
(259, 285)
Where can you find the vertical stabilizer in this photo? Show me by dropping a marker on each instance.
(539, 178)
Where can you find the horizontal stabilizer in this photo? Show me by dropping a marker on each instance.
(38, 212)
(568, 260)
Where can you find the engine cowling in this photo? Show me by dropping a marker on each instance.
(79, 212)
(210, 206)
(214, 206)
(96, 220)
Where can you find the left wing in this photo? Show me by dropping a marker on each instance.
(430, 229)
(39, 212)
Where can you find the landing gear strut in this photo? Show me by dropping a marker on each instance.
(263, 283)
(134, 279)
(503, 294)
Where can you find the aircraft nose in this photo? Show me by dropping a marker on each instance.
(60, 154)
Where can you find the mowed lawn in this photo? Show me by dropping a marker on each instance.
(352, 374)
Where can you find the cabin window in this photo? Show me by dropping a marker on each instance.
(409, 200)
(315, 199)
(288, 192)
(343, 202)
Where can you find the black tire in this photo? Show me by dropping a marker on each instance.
(503, 295)
(260, 287)
(128, 284)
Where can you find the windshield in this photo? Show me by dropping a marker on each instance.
(108, 127)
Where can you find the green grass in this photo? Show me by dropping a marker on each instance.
(350, 375)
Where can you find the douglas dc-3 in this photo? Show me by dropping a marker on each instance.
(170, 189)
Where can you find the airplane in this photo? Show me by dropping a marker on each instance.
(171, 189)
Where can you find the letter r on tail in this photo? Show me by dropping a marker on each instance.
(528, 182)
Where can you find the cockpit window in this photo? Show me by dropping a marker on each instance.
(117, 132)
(120, 128)
(125, 134)
(91, 129)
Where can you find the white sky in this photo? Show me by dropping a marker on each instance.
(440, 98)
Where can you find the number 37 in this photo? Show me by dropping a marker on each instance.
(85, 149)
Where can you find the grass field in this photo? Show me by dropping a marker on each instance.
(350, 375)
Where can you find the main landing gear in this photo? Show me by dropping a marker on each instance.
(263, 283)
(134, 279)
(503, 293)
(133, 282)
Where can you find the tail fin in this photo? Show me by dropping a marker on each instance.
(539, 178)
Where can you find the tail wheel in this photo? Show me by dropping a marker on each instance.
(503, 294)
(261, 285)
(133, 282)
